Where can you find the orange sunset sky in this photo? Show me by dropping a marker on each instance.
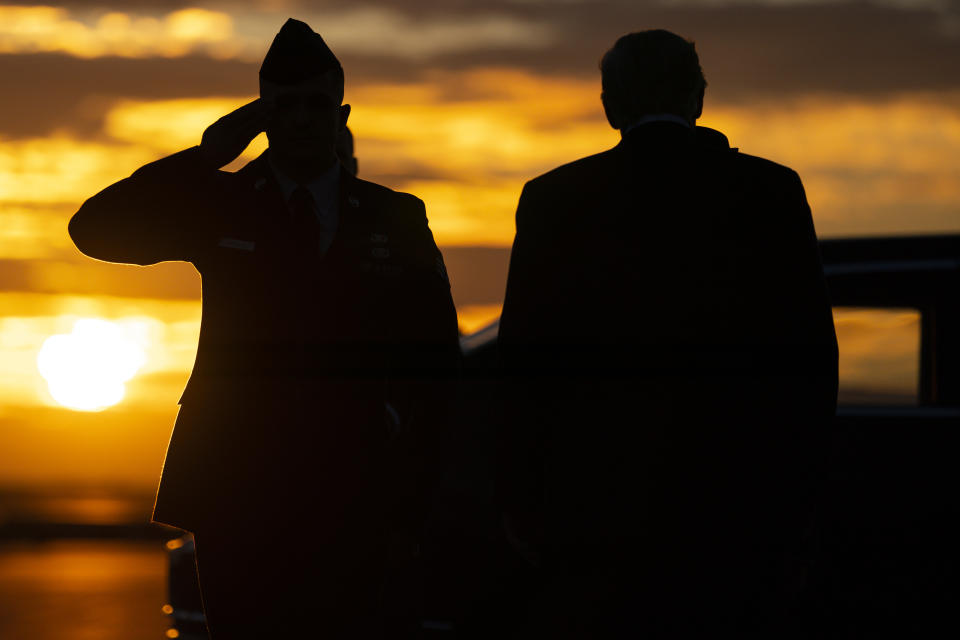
(457, 102)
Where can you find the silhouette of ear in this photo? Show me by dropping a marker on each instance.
(607, 111)
(344, 116)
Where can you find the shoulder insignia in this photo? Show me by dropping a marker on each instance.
(353, 201)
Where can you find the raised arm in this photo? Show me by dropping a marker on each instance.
(162, 211)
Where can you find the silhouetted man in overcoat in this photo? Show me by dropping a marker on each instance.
(669, 342)
(308, 433)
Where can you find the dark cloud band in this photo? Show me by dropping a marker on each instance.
(748, 52)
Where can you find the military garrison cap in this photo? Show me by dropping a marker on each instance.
(297, 53)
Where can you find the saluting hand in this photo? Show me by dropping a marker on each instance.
(226, 138)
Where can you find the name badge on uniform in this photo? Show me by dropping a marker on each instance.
(236, 243)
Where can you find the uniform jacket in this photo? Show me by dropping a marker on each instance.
(299, 355)
(670, 342)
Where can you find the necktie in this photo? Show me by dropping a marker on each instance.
(306, 227)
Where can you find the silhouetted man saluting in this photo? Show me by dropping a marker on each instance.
(306, 436)
(668, 336)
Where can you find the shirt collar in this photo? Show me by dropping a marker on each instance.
(655, 117)
(323, 188)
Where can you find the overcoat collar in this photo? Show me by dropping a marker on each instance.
(662, 134)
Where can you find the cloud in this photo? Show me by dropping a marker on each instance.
(870, 166)
(385, 32)
(59, 93)
(82, 276)
(41, 29)
(755, 50)
(465, 139)
(30, 231)
(459, 102)
(245, 34)
(63, 170)
(467, 144)
(483, 123)
(751, 52)
(886, 167)
(171, 125)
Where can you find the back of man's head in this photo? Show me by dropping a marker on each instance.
(651, 72)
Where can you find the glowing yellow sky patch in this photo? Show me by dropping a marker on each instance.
(469, 214)
(26, 232)
(62, 169)
(385, 31)
(476, 316)
(464, 142)
(32, 29)
(885, 167)
(912, 133)
(516, 123)
(869, 168)
(167, 126)
(246, 32)
(879, 349)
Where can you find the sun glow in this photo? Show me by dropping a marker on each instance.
(87, 368)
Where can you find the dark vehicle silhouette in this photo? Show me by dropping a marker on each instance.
(889, 520)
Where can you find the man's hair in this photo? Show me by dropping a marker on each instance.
(651, 72)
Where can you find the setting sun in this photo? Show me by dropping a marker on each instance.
(87, 368)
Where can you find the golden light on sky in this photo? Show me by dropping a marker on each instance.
(460, 107)
(86, 369)
(193, 30)
(59, 169)
(167, 126)
(879, 352)
(32, 29)
(869, 168)
(164, 331)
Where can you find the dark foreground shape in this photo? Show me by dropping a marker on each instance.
(888, 560)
